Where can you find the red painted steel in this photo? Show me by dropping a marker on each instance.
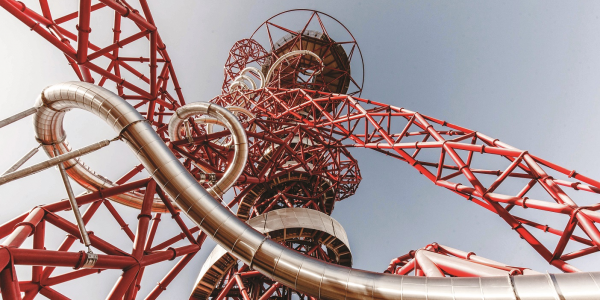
(440, 261)
(243, 53)
(362, 123)
(338, 52)
(44, 261)
(159, 90)
(303, 124)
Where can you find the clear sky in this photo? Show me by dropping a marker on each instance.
(527, 73)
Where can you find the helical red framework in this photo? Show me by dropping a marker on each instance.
(300, 123)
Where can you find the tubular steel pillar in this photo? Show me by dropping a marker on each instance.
(24, 229)
(9, 284)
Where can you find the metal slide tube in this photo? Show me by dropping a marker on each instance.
(239, 80)
(257, 72)
(289, 54)
(210, 122)
(225, 117)
(58, 159)
(298, 271)
(55, 138)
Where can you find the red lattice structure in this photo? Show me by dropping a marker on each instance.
(298, 71)
(243, 53)
(436, 260)
(447, 154)
(71, 33)
(321, 170)
(144, 254)
(301, 124)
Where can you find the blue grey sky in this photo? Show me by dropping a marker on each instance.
(527, 73)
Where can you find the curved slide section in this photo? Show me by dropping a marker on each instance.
(240, 141)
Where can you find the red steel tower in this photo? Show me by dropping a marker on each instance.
(295, 91)
(299, 172)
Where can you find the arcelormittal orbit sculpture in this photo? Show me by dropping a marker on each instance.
(277, 138)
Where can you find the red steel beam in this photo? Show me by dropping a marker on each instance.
(175, 215)
(226, 289)
(83, 35)
(162, 285)
(172, 240)
(7, 228)
(141, 236)
(123, 283)
(119, 219)
(38, 243)
(72, 229)
(143, 221)
(24, 229)
(9, 284)
(37, 257)
(70, 276)
(52, 294)
(70, 239)
(33, 25)
(344, 122)
(97, 195)
(241, 286)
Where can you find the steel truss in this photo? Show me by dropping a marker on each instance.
(160, 91)
(396, 131)
(436, 260)
(145, 251)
